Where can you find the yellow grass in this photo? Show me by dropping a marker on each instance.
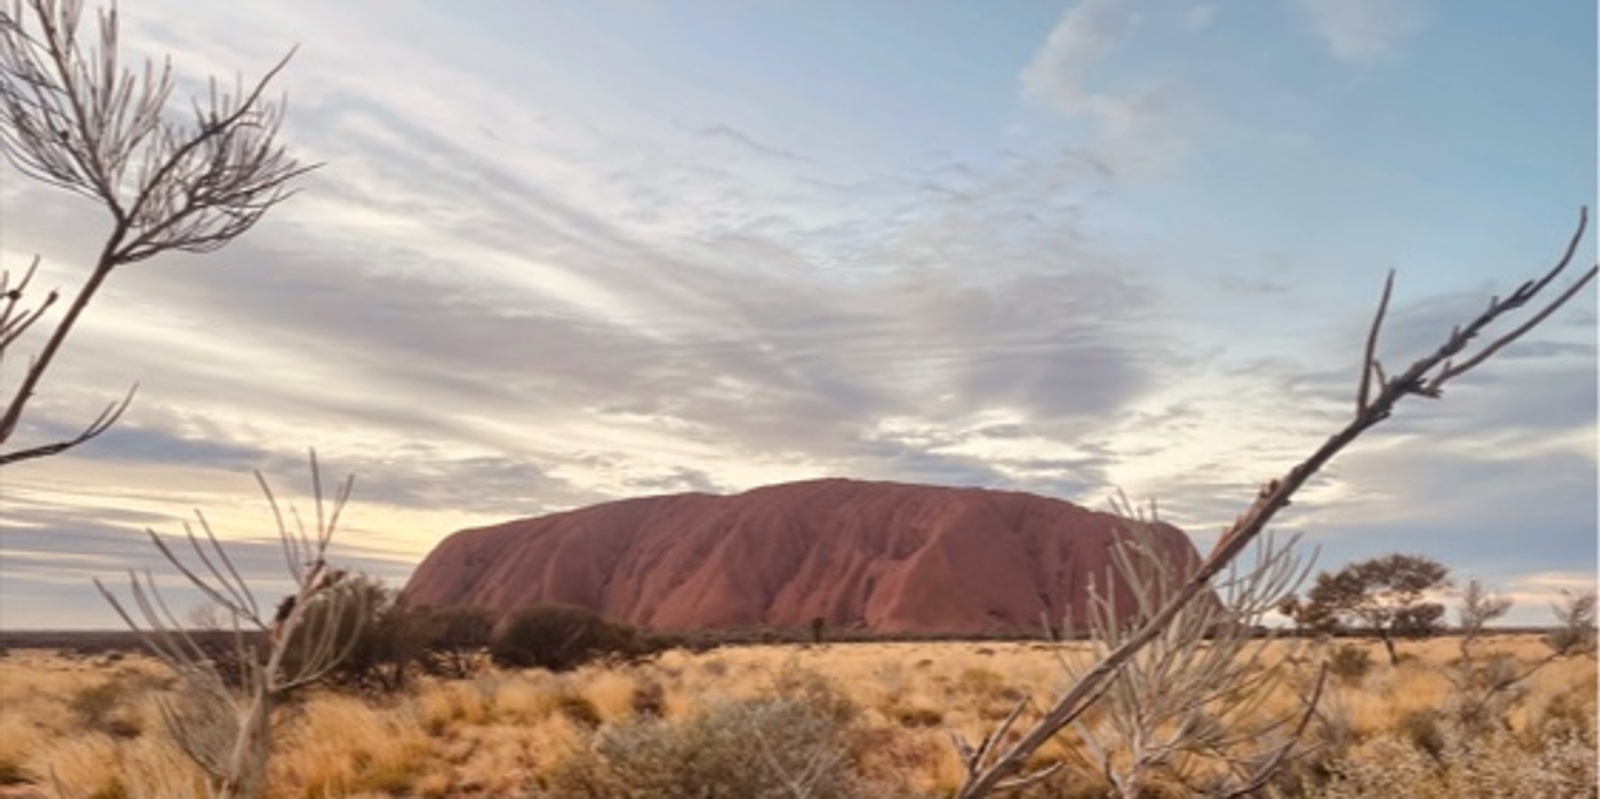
(503, 733)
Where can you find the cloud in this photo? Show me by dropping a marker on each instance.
(51, 560)
(1364, 31)
(509, 292)
(1134, 118)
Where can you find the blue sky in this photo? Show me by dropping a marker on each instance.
(572, 251)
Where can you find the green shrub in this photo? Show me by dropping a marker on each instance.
(559, 638)
(453, 638)
(732, 750)
(363, 612)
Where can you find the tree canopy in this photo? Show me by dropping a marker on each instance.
(1389, 596)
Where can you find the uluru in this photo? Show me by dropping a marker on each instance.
(879, 557)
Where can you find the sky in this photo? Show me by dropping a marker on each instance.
(564, 252)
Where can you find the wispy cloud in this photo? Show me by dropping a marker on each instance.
(1134, 117)
(530, 278)
(1364, 31)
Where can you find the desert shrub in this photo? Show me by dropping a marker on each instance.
(115, 789)
(1421, 729)
(106, 706)
(93, 704)
(355, 612)
(1570, 711)
(392, 639)
(815, 691)
(1350, 663)
(1490, 765)
(981, 682)
(560, 638)
(12, 772)
(734, 750)
(578, 709)
(649, 699)
(453, 637)
(916, 716)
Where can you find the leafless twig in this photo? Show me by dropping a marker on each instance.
(1426, 377)
(73, 117)
(228, 733)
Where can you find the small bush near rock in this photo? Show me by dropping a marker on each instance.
(561, 638)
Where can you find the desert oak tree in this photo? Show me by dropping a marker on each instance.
(1387, 596)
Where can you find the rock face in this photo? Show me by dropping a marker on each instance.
(881, 557)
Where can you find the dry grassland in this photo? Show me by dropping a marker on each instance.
(92, 725)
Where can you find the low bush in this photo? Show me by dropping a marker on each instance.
(1350, 663)
(561, 638)
(1451, 766)
(732, 750)
(913, 716)
(649, 699)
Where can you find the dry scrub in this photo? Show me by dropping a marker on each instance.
(833, 720)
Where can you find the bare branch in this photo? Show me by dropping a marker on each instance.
(1527, 291)
(1273, 497)
(73, 117)
(12, 328)
(315, 629)
(108, 417)
(1369, 361)
(1275, 760)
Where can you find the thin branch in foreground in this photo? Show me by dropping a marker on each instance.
(222, 715)
(1425, 377)
(73, 117)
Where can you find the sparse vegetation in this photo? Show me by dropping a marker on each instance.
(1184, 699)
(536, 733)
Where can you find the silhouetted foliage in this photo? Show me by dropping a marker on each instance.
(388, 638)
(561, 637)
(396, 640)
(454, 637)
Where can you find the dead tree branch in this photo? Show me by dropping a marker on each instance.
(227, 730)
(1426, 377)
(71, 116)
